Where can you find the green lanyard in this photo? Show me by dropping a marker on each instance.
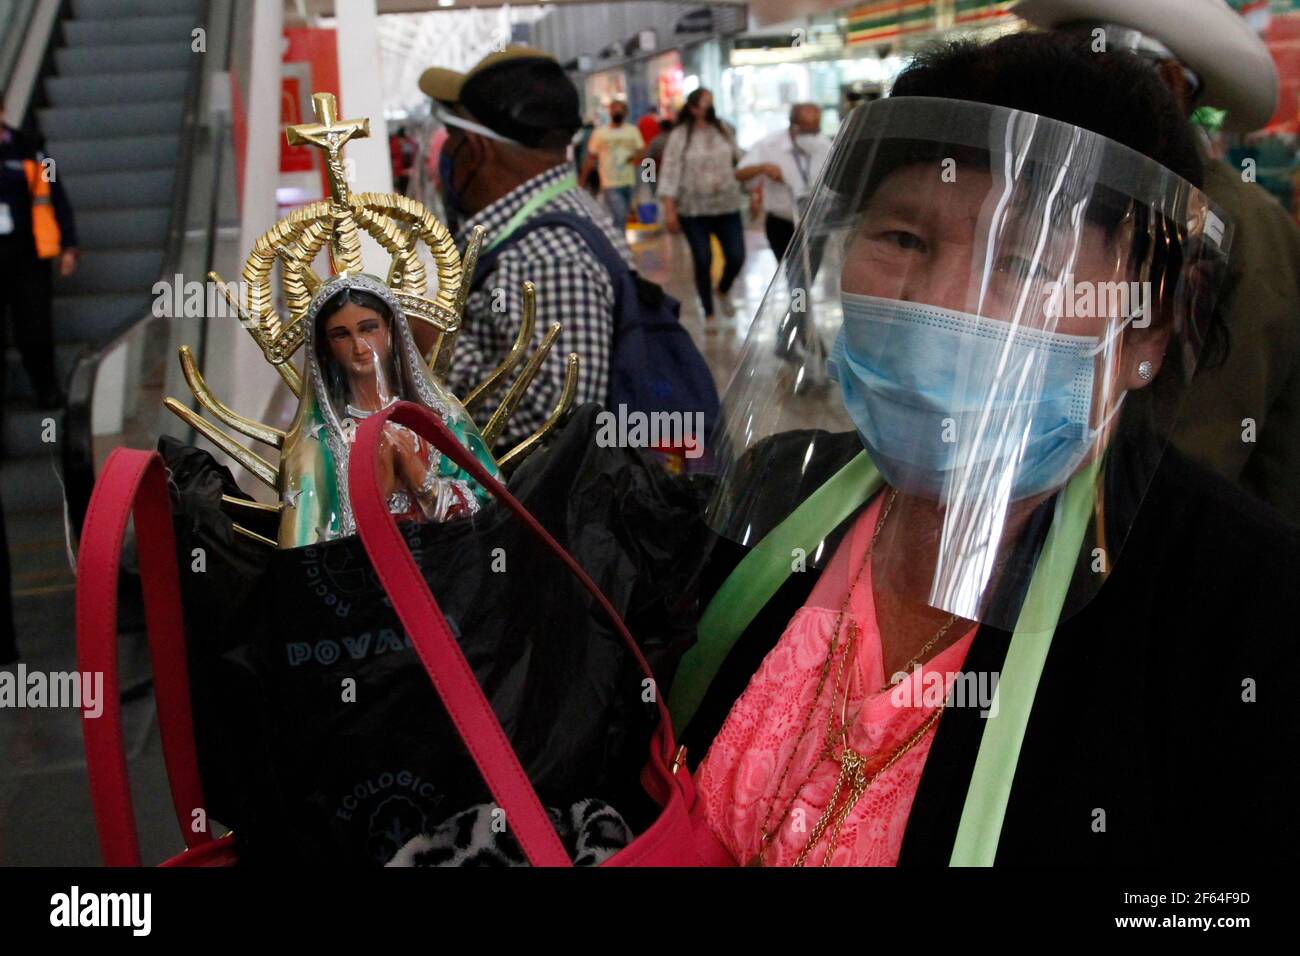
(759, 576)
(1013, 698)
(538, 200)
(767, 566)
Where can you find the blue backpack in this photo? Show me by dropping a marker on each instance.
(654, 365)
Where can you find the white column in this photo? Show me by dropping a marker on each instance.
(254, 377)
(262, 152)
(235, 367)
(361, 95)
(27, 66)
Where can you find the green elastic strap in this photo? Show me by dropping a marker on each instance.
(760, 575)
(557, 188)
(995, 764)
(762, 572)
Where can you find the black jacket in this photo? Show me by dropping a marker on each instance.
(15, 193)
(1140, 710)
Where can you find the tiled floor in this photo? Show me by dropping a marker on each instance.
(796, 395)
(665, 259)
(45, 815)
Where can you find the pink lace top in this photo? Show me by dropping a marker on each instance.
(737, 779)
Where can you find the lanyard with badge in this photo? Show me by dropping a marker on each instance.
(6, 214)
(802, 161)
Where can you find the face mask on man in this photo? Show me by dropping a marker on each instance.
(453, 197)
(451, 200)
(617, 117)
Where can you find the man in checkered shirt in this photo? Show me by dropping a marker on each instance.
(510, 120)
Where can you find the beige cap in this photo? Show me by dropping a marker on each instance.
(445, 85)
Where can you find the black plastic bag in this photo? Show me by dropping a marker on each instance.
(324, 739)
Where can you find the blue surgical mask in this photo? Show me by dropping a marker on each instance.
(450, 199)
(937, 394)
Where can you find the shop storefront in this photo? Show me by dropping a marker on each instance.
(600, 90)
(660, 82)
(840, 58)
(655, 84)
(812, 65)
(664, 81)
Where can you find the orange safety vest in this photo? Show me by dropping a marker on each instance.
(45, 227)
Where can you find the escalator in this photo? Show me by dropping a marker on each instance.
(119, 105)
(111, 112)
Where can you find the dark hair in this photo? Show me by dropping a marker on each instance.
(1115, 94)
(336, 385)
(804, 105)
(685, 115)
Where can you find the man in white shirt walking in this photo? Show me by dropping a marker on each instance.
(788, 162)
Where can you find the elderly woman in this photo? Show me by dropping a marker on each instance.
(970, 607)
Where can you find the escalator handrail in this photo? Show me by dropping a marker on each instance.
(20, 27)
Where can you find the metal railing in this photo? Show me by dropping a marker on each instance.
(15, 20)
(26, 54)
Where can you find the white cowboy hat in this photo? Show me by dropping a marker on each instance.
(1207, 36)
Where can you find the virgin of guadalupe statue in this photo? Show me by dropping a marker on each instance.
(360, 358)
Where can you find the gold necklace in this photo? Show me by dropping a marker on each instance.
(853, 774)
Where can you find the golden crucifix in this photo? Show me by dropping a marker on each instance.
(330, 133)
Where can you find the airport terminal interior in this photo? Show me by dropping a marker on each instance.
(182, 176)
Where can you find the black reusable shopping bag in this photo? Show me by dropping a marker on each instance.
(321, 739)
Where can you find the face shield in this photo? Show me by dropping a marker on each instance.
(990, 317)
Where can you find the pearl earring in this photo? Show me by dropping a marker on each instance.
(1145, 371)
